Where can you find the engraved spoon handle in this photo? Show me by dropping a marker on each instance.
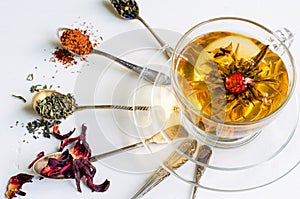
(148, 74)
(203, 155)
(174, 161)
(109, 106)
(159, 175)
(169, 50)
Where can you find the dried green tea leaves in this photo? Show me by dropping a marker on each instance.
(56, 106)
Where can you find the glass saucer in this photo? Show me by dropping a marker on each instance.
(102, 81)
(260, 161)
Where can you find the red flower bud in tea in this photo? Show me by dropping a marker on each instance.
(236, 83)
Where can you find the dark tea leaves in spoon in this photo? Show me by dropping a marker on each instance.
(126, 8)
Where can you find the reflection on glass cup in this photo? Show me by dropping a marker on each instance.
(231, 77)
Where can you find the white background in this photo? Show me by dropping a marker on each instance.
(27, 37)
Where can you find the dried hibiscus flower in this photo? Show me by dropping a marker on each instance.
(15, 184)
(74, 163)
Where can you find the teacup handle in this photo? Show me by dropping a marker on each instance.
(285, 36)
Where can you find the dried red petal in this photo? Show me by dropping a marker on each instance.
(57, 134)
(97, 188)
(68, 141)
(55, 129)
(236, 83)
(83, 168)
(16, 183)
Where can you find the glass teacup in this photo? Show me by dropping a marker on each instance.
(231, 77)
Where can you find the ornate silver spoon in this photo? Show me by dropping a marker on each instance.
(79, 44)
(51, 104)
(172, 132)
(128, 9)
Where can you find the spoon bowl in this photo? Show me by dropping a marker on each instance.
(126, 9)
(42, 95)
(43, 162)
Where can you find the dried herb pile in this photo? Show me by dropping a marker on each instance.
(41, 127)
(64, 56)
(56, 106)
(127, 9)
(76, 41)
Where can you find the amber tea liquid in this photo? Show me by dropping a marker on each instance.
(231, 77)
